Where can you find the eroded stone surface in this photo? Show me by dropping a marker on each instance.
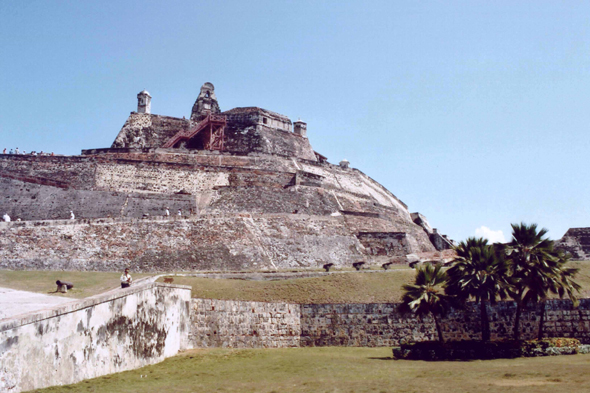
(576, 241)
(229, 323)
(113, 332)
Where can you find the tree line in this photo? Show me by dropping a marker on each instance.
(528, 270)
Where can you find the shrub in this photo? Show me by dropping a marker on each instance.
(467, 350)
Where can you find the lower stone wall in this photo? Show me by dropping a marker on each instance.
(227, 323)
(121, 330)
(240, 324)
(373, 325)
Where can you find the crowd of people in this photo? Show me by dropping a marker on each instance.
(32, 153)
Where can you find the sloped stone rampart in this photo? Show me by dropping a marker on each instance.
(241, 324)
(576, 241)
(213, 242)
(117, 331)
(293, 207)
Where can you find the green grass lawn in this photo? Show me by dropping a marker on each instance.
(348, 287)
(333, 369)
(85, 283)
(351, 287)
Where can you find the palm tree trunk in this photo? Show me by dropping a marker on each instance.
(541, 321)
(517, 321)
(438, 328)
(485, 322)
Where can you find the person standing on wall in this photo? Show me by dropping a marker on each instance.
(126, 279)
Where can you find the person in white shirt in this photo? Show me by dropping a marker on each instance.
(167, 212)
(72, 216)
(126, 279)
(179, 212)
(6, 217)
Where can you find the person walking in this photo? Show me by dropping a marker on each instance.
(126, 279)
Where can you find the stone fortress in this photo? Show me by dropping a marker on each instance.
(253, 195)
(244, 190)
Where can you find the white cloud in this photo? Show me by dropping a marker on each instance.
(492, 236)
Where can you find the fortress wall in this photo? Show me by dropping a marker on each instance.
(258, 200)
(153, 178)
(232, 242)
(242, 324)
(65, 171)
(576, 241)
(29, 201)
(148, 130)
(120, 330)
(263, 139)
(204, 158)
(383, 325)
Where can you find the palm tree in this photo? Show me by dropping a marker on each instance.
(478, 272)
(535, 270)
(426, 295)
(463, 248)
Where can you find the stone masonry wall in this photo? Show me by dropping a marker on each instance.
(576, 241)
(241, 324)
(117, 331)
(250, 324)
(383, 325)
(295, 212)
(209, 242)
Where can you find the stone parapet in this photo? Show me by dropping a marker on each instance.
(120, 330)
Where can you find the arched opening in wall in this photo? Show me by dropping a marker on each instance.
(264, 120)
(208, 94)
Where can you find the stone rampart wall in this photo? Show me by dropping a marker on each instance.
(120, 330)
(209, 242)
(383, 325)
(233, 323)
(241, 324)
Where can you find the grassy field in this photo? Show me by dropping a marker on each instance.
(85, 283)
(334, 369)
(349, 287)
(337, 288)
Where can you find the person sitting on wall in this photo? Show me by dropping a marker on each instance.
(6, 217)
(126, 279)
(72, 216)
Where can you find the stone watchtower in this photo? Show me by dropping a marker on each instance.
(144, 102)
(206, 103)
(300, 128)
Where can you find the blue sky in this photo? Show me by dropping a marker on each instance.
(474, 113)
